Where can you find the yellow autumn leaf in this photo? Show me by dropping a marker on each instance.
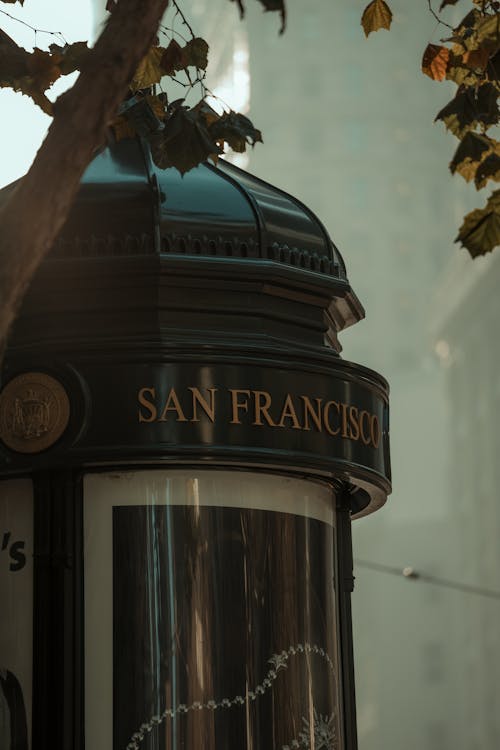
(149, 70)
(480, 231)
(377, 15)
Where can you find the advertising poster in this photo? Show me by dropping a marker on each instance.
(16, 629)
(216, 625)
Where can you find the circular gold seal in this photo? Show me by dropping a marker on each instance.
(34, 412)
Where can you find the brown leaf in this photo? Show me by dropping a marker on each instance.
(377, 15)
(184, 143)
(174, 58)
(237, 130)
(471, 108)
(71, 57)
(208, 115)
(30, 73)
(480, 231)
(460, 73)
(435, 61)
(196, 51)
(477, 58)
(149, 70)
(493, 69)
(487, 34)
(447, 2)
(157, 105)
(469, 154)
(489, 169)
(276, 5)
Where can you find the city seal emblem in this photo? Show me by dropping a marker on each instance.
(34, 412)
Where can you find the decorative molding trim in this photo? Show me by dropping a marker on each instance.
(219, 246)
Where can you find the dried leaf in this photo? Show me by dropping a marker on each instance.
(460, 73)
(71, 57)
(276, 5)
(470, 151)
(174, 58)
(489, 169)
(477, 59)
(471, 108)
(377, 15)
(184, 143)
(149, 70)
(447, 2)
(196, 51)
(29, 73)
(208, 115)
(480, 231)
(487, 34)
(237, 130)
(157, 104)
(435, 61)
(493, 69)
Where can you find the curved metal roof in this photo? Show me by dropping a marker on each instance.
(127, 206)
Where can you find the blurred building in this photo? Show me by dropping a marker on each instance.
(468, 345)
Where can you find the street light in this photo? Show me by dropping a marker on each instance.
(182, 452)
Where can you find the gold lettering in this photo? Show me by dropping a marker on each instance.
(262, 404)
(326, 417)
(366, 439)
(199, 400)
(172, 404)
(288, 412)
(237, 405)
(149, 405)
(309, 412)
(375, 430)
(353, 416)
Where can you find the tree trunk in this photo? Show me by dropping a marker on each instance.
(37, 208)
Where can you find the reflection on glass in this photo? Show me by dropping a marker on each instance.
(223, 616)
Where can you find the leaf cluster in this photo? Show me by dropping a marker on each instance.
(33, 73)
(470, 58)
(180, 136)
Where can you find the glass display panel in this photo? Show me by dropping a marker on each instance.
(210, 616)
(16, 613)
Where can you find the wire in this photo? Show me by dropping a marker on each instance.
(415, 575)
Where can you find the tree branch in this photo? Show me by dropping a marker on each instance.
(38, 206)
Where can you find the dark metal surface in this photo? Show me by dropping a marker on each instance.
(216, 283)
(217, 211)
(213, 280)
